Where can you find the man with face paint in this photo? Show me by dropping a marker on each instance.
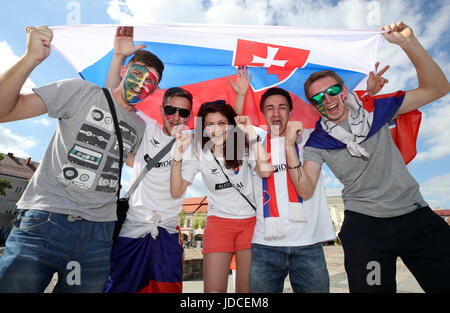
(67, 212)
(148, 255)
(386, 216)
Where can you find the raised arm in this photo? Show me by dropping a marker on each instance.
(263, 166)
(432, 81)
(14, 105)
(123, 47)
(240, 87)
(177, 184)
(304, 177)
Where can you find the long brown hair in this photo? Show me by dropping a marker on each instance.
(232, 142)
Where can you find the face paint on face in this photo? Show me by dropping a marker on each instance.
(321, 109)
(139, 83)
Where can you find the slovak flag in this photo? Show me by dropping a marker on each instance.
(200, 58)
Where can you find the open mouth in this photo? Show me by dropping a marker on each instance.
(276, 122)
(135, 91)
(333, 108)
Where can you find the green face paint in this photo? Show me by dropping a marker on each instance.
(139, 83)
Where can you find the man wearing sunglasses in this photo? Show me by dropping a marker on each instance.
(385, 214)
(148, 256)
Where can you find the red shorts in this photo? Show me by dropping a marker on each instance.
(227, 234)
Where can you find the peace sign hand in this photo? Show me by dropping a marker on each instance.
(376, 82)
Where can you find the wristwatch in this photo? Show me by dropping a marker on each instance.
(253, 141)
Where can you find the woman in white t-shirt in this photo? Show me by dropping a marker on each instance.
(226, 160)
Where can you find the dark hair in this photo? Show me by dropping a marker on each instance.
(226, 110)
(148, 59)
(177, 92)
(272, 92)
(319, 75)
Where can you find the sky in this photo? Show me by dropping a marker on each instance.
(428, 19)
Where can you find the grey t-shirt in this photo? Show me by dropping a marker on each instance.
(79, 172)
(380, 186)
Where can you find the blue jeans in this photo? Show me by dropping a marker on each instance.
(306, 266)
(42, 243)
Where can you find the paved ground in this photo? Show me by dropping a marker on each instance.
(334, 255)
(406, 283)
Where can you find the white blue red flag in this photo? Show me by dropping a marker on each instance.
(200, 58)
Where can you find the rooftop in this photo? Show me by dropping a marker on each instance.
(198, 204)
(17, 167)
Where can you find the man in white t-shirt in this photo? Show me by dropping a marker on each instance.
(289, 232)
(148, 255)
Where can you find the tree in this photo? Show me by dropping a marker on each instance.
(203, 220)
(196, 223)
(181, 219)
(4, 184)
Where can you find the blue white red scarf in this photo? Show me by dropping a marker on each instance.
(273, 228)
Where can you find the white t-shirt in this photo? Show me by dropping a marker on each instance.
(223, 199)
(318, 227)
(151, 204)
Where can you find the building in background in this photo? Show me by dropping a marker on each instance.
(192, 221)
(17, 171)
(336, 207)
(445, 214)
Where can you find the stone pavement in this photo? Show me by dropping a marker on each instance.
(334, 255)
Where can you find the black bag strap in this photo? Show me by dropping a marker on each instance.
(118, 134)
(150, 164)
(226, 176)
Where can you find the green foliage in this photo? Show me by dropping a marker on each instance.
(4, 184)
(196, 222)
(203, 220)
(181, 219)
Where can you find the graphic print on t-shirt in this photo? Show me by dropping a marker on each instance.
(79, 177)
(93, 136)
(85, 157)
(92, 164)
(101, 118)
(107, 183)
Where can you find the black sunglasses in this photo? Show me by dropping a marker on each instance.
(170, 110)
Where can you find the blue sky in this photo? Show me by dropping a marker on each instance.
(429, 20)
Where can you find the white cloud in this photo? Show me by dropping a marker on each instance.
(435, 131)
(437, 188)
(169, 11)
(9, 59)
(10, 142)
(42, 121)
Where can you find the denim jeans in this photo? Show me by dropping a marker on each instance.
(42, 243)
(306, 266)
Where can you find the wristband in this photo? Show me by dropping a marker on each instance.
(295, 167)
(176, 161)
